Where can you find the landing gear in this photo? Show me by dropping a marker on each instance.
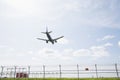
(46, 41)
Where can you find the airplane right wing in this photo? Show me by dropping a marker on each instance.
(58, 38)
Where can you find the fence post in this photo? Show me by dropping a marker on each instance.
(15, 72)
(78, 70)
(116, 68)
(2, 71)
(60, 71)
(43, 71)
(28, 71)
(96, 70)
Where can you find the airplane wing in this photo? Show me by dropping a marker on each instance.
(42, 39)
(58, 38)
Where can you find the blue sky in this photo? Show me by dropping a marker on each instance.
(91, 29)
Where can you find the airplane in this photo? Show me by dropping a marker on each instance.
(49, 37)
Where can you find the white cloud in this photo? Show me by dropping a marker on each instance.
(20, 54)
(119, 43)
(46, 53)
(66, 58)
(71, 54)
(93, 51)
(108, 44)
(93, 13)
(71, 6)
(49, 55)
(35, 59)
(82, 52)
(30, 52)
(3, 46)
(42, 9)
(90, 12)
(99, 51)
(107, 37)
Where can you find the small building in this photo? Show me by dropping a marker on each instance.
(21, 75)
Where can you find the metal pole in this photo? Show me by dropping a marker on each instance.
(22, 72)
(15, 72)
(116, 68)
(43, 71)
(60, 71)
(78, 70)
(96, 70)
(28, 71)
(2, 71)
(11, 72)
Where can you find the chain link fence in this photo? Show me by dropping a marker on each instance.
(61, 71)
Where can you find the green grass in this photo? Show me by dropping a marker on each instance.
(60, 79)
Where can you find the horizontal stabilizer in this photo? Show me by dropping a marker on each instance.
(46, 32)
(50, 32)
(43, 32)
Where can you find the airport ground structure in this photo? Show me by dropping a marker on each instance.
(61, 71)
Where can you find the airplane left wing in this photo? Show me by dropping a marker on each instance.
(58, 38)
(42, 39)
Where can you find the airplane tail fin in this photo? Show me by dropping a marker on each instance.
(46, 31)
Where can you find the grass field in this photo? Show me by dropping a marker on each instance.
(60, 79)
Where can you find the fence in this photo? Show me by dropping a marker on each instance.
(61, 71)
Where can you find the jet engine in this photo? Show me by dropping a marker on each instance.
(56, 41)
